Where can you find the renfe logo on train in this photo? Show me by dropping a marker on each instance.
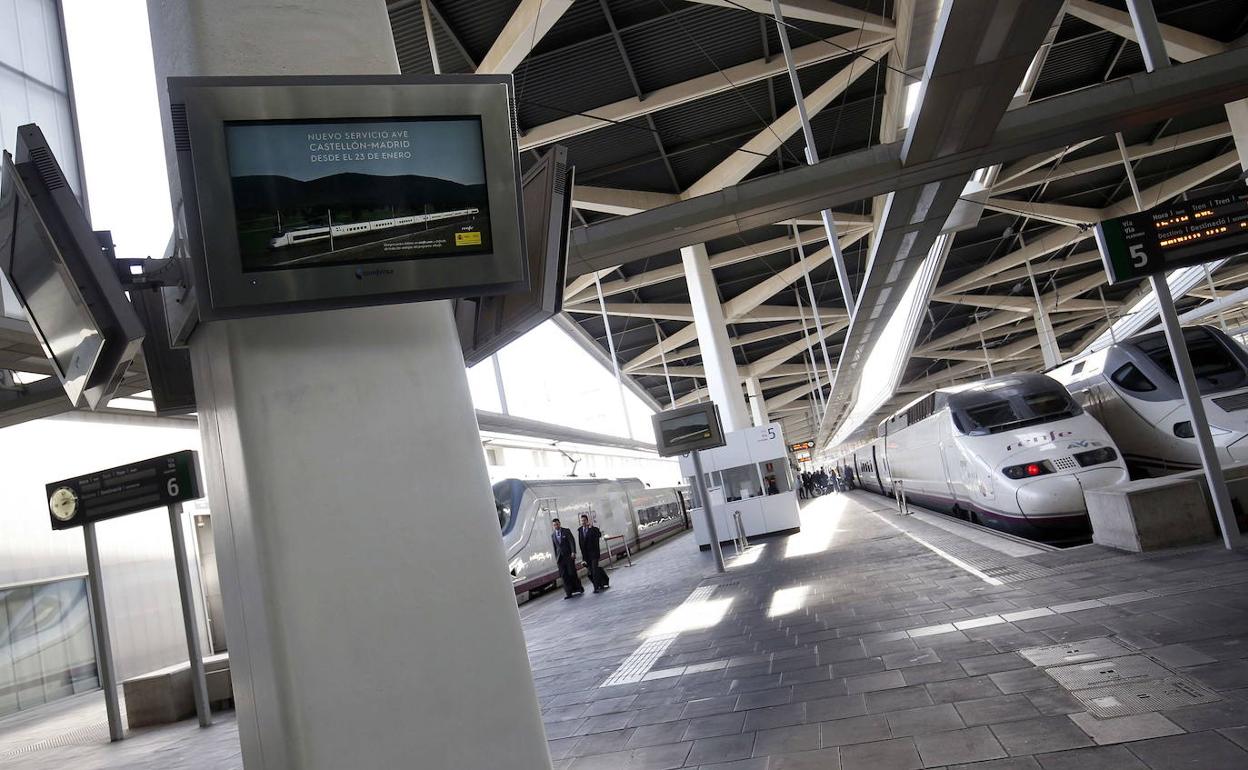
(1037, 438)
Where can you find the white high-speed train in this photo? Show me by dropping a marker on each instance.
(306, 234)
(1014, 453)
(1132, 390)
(617, 507)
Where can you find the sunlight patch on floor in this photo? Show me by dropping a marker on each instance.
(787, 600)
(746, 557)
(820, 521)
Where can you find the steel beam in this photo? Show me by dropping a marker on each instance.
(1138, 100)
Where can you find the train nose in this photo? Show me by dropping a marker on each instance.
(1238, 450)
(1052, 494)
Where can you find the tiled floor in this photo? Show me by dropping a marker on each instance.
(880, 642)
(866, 641)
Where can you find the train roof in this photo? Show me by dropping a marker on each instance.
(567, 481)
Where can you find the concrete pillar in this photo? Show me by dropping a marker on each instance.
(370, 618)
(1237, 116)
(758, 405)
(722, 378)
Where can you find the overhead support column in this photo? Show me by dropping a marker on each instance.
(708, 319)
(344, 465)
(1147, 30)
(812, 158)
(758, 405)
(1044, 327)
(1237, 116)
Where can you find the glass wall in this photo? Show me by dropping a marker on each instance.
(46, 647)
(547, 376)
(34, 88)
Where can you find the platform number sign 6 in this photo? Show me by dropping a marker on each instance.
(171, 486)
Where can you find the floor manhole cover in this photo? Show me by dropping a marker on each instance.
(1103, 672)
(1074, 652)
(1120, 700)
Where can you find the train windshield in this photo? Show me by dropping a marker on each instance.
(504, 504)
(1216, 368)
(1009, 404)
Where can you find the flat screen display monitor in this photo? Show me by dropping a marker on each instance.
(65, 282)
(488, 324)
(688, 429)
(312, 193)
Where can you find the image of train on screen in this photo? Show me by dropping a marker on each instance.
(1014, 453)
(630, 514)
(325, 232)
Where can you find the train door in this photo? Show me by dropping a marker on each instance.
(875, 467)
(952, 461)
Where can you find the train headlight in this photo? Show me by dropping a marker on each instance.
(1027, 470)
(1096, 456)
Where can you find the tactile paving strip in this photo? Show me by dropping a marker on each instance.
(1120, 700)
(1113, 671)
(1074, 652)
(1007, 569)
(637, 666)
(79, 736)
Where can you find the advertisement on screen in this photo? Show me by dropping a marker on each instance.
(312, 194)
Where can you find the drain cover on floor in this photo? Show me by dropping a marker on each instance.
(1074, 652)
(1085, 675)
(1120, 700)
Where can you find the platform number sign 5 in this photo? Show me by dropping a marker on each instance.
(1174, 235)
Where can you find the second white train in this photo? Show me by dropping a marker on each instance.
(1015, 453)
(626, 510)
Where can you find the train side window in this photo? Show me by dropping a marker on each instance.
(1130, 377)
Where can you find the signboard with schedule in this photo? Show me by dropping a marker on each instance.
(1172, 236)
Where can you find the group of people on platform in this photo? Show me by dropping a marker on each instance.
(820, 482)
(587, 537)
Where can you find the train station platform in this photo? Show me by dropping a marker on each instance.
(868, 641)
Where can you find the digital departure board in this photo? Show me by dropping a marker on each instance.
(1177, 235)
(801, 446)
(131, 488)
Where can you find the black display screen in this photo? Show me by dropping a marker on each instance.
(685, 430)
(34, 264)
(360, 190)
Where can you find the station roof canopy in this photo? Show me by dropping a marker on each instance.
(968, 150)
(665, 104)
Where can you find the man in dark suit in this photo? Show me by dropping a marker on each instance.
(565, 556)
(589, 536)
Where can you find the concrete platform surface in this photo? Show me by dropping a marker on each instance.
(869, 641)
